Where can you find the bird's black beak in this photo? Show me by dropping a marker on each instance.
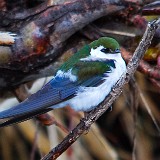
(117, 51)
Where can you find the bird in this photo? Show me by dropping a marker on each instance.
(82, 82)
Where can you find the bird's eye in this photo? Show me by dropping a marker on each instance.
(117, 51)
(106, 50)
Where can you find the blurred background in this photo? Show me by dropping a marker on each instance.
(130, 131)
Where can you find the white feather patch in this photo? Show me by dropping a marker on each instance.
(67, 74)
(96, 54)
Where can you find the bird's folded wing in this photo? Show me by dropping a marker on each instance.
(55, 91)
(48, 96)
(23, 117)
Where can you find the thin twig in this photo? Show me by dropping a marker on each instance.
(86, 122)
(34, 147)
(134, 107)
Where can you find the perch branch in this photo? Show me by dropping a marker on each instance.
(86, 122)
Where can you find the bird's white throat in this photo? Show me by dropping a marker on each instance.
(97, 54)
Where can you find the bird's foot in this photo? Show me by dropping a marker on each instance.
(83, 120)
(86, 114)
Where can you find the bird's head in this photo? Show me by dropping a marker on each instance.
(103, 47)
(99, 50)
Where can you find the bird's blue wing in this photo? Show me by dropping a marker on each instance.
(56, 91)
(52, 93)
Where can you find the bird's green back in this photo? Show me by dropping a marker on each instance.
(82, 53)
(84, 70)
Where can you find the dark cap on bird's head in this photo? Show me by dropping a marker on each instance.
(106, 42)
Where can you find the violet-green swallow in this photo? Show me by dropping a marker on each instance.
(82, 82)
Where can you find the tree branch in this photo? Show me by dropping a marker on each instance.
(86, 122)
